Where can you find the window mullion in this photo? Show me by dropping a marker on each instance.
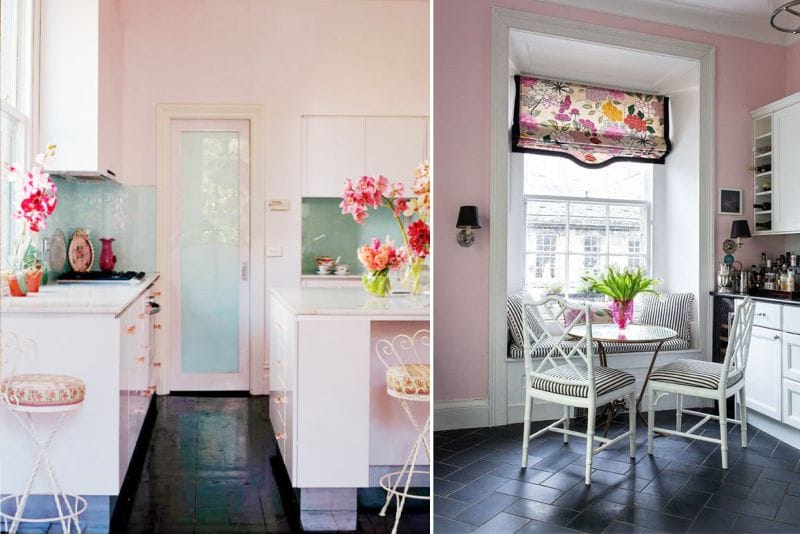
(567, 255)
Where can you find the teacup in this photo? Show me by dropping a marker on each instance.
(342, 269)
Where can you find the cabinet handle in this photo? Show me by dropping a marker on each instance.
(761, 314)
(156, 364)
(131, 330)
(281, 400)
(280, 435)
(140, 359)
(156, 293)
(157, 326)
(141, 316)
(776, 337)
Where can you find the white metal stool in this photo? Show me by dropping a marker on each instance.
(26, 395)
(409, 380)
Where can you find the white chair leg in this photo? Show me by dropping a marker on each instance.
(723, 430)
(632, 423)
(743, 416)
(679, 413)
(590, 442)
(651, 418)
(566, 423)
(526, 432)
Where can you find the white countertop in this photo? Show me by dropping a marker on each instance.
(77, 298)
(332, 276)
(352, 301)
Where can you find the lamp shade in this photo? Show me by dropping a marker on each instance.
(468, 217)
(740, 228)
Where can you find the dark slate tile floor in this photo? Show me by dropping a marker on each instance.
(479, 486)
(211, 466)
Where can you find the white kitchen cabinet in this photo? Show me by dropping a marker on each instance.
(336, 148)
(80, 102)
(777, 163)
(763, 374)
(791, 356)
(791, 403)
(395, 147)
(768, 315)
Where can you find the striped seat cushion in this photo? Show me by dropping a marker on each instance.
(673, 310)
(515, 351)
(39, 391)
(514, 307)
(607, 379)
(694, 373)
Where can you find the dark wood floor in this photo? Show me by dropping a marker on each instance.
(211, 466)
(480, 487)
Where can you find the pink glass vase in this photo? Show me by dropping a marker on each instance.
(622, 313)
(107, 258)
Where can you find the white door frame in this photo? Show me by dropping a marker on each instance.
(165, 114)
(503, 22)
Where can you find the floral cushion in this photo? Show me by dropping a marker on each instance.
(43, 390)
(409, 379)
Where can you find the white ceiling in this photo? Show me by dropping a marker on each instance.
(604, 65)
(738, 18)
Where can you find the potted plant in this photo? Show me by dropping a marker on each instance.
(622, 286)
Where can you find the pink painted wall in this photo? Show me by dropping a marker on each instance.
(793, 69)
(749, 74)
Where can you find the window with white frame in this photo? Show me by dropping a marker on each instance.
(16, 100)
(578, 220)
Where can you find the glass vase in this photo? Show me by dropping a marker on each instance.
(416, 279)
(622, 313)
(377, 283)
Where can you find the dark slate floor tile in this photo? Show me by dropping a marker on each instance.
(441, 470)
(743, 474)
(634, 498)
(541, 512)
(579, 497)
(768, 491)
(700, 471)
(502, 522)
(666, 485)
(710, 520)
(597, 516)
(475, 491)
(649, 467)
(720, 487)
(789, 511)
(656, 521)
(786, 452)
(448, 507)
(753, 525)
(449, 526)
(556, 460)
(793, 489)
(544, 528)
(565, 479)
(515, 472)
(468, 456)
(530, 491)
(482, 511)
(782, 475)
(443, 487)
(618, 527)
(472, 472)
(613, 466)
(687, 503)
(741, 506)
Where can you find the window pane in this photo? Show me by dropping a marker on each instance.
(627, 229)
(544, 273)
(8, 51)
(545, 218)
(11, 151)
(587, 237)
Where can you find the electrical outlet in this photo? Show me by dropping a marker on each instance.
(279, 204)
(274, 252)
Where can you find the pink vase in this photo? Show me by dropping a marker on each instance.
(107, 258)
(622, 313)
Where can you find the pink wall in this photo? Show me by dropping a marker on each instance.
(749, 74)
(793, 69)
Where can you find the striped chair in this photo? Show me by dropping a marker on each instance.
(707, 380)
(568, 376)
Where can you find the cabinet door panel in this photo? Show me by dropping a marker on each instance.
(768, 315)
(334, 151)
(395, 146)
(786, 164)
(763, 374)
(791, 356)
(791, 403)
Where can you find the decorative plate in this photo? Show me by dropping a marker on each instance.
(728, 259)
(58, 252)
(728, 246)
(81, 253)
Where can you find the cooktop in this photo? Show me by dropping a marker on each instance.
(101, 277)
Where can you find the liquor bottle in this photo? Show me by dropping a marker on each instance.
(792, 273)
(764, 206)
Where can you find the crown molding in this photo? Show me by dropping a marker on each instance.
(693, 17)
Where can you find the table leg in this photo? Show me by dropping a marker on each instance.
(610, 409)
(644, 385)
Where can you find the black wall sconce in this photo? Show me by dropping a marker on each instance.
(467, 221)
(740, 229)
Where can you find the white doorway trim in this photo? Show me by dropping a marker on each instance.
(503, 22)
(165, 114)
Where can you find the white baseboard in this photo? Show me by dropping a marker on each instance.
(776, 429)
(468, 413)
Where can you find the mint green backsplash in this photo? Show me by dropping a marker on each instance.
(126, 213)
(326, 232)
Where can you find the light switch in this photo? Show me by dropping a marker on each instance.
(274, 252)
(279, 204)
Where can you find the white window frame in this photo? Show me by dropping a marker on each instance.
(647, 205)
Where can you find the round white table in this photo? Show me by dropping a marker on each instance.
(633, 333)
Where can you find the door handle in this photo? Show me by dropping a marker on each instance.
(244, 271)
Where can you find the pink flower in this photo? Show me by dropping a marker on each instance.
(589, 125)
(377, 256)
(563, 117)
(615, 133)
(37, 192)
(419, 239)
(565, 104)
(358, 198)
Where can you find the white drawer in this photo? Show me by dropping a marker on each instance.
(768, 315)
(791, 318)
(791, 403)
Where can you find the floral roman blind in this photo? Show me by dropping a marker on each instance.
(592, 125)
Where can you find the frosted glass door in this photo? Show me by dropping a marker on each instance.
(210, 255)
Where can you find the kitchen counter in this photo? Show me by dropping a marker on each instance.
(78, 298)
(352, 301)
(776, 300)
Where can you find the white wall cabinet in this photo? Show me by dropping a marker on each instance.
(80, 102)
(777, 163)
(763, 374)
(337, 148)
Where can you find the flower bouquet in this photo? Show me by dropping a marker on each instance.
(36, 197)
(622, 286)
(378, 259)
(377, 192)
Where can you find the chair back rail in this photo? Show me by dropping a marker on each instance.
(405, 349)
(538, 316)
(738, 349)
